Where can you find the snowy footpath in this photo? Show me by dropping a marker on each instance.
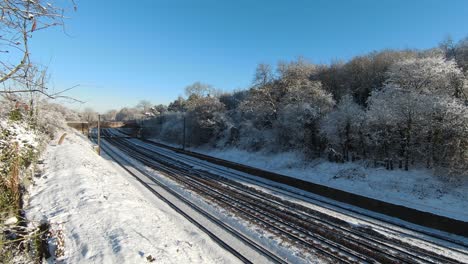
(102, 215)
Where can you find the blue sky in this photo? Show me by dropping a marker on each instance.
(123, 51)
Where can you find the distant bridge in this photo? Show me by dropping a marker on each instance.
(84, 126)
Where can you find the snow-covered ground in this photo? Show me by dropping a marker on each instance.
(397, 232)
(417, 188)
(19, 133)
(106, 217)
(265, 238)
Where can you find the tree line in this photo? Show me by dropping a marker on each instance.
(395, 108)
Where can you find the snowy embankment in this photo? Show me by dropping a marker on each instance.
(417, 188)
(102, 215)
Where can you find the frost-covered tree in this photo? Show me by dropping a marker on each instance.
(144, 107)
(447, 135)
(159, 109)
(52, 117)
(110, 115)
(301, 109)
(167, 127)
(128, 114)
(261, 106)
(89, 115)
(263, 103)
(404, 106)
(67, 113)
(332, 78)
(460, 54)
(232, 100)
(364, 74)
(179, 105)
(205, 120)
(343, 127)
(396, 121)
(295, 72)
(428, 75)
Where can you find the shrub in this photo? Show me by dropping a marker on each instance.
(15, 115)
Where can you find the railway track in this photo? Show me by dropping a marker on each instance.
(273, 258)
(241, 210)
(205, 162)
(417, 220)
(320, 234)
(305, 214)
(367, 219)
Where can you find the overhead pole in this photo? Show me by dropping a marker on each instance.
(99, 134)
(183, 135)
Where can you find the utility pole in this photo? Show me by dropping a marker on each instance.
(99, 134)
(183, 133)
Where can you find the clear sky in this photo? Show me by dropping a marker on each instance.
(122, 51)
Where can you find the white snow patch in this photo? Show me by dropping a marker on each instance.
(105, 218)
(19, 132)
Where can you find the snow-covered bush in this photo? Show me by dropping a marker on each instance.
(18, 149)
(22, 137)
(52, 117)
(5, 107)
(253, 139)
(205, 120)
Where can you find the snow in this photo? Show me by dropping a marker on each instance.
(20, 133)
(11, 221)
(390, 227)
(265, 238)
(416, 188)
(104, 217)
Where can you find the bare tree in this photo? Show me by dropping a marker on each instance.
(263, 75)
(144, 106)
(89, 115)
(19, 20)
(200, 90)
(110, 115)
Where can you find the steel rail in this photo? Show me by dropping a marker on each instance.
(390, 248)
(436, 257)
(260, 249)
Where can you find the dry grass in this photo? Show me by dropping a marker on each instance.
(10, 184)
